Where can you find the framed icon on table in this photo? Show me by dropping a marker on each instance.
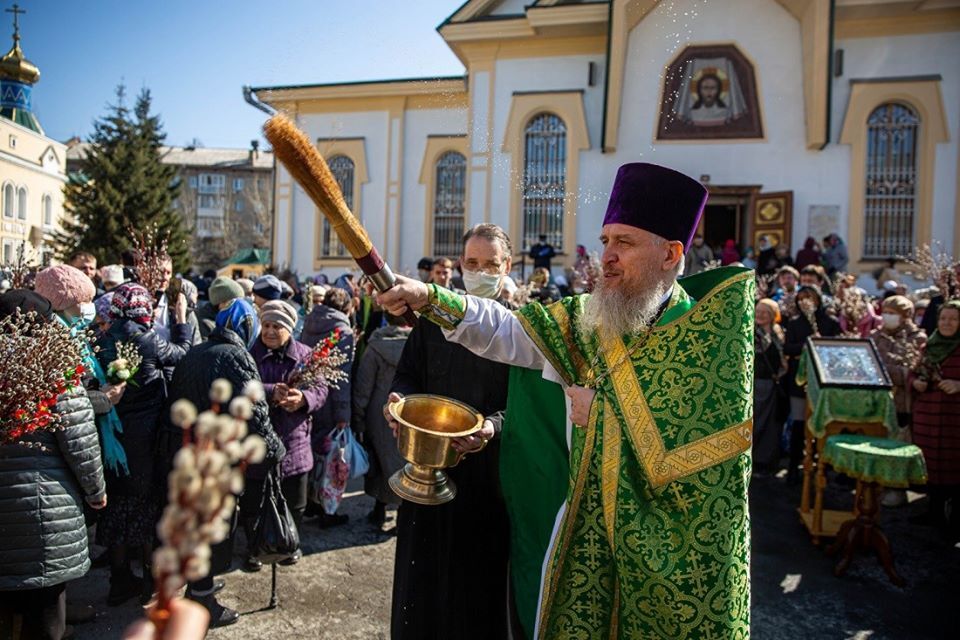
(847, 363)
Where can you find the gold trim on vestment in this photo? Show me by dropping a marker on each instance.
(544, 349)
(664, 466)
(610, 471)
(562, 318)
(699, 303)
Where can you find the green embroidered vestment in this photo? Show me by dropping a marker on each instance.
(654, 542)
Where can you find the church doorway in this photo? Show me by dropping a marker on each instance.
(727, 217)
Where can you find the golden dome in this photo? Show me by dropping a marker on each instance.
(14, 66)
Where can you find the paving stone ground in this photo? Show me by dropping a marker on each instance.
(341, 588)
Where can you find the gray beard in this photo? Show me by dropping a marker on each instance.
(617, 312)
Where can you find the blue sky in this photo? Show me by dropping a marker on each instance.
(195, 56)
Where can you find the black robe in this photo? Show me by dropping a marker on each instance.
(450, 574)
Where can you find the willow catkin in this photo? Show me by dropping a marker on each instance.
(293, 148)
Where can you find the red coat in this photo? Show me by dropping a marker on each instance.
(936, 426)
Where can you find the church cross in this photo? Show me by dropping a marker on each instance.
(16, 11)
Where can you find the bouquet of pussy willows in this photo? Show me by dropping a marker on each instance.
(39, 361)
(324, 366)
(207, 476)
(125, 365)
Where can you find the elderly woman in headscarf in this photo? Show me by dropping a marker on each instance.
(936, 415)
(278, 355)
(43, 540)
(900, 343)
(128, 523)
(769, 367)
(224, 355)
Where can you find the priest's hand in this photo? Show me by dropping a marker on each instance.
(581, 399)
(406, 294)
(393, 424)
(474, 442)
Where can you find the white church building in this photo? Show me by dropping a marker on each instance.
(802, 117)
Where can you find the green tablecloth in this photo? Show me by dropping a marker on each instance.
(889, 463)
(845, 405)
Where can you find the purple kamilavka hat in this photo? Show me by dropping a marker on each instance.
(657, 199)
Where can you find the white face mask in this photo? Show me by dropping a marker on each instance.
(891, 320)
(482, 285)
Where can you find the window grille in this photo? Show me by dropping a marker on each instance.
(342, 169)
(891, 189)
(448, 204)
(544, 180)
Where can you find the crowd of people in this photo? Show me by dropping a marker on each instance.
(915, 336)
(107, 467)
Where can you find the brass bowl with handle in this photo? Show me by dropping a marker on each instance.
(428, 425)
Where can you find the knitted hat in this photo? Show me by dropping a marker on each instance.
(268, 287)
(102, 305)
(656, 199)
(223, 289)
(132, 301)
(112, 274)
(64, 286)
(280, 312)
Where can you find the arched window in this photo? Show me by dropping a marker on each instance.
(544, 180)
(9, 198)
(22, 203)
(448, 204)
(47, 210)
(891, 185)
(342, 168)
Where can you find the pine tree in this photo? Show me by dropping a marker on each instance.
(123, 184)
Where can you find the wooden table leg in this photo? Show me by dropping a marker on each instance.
(820, 483)
(807, 469)
(864, 532)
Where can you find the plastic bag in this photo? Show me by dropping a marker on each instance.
(276, 537)
(356, 455)
(344, 458)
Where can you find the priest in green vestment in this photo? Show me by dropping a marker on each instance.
(652, 540)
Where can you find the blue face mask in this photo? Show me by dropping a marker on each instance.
(87, 313)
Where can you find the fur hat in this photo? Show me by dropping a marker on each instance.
(280, 312)
(223, 289)
(64, 286)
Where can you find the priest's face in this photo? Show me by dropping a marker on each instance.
(634, 260)
(638, 269)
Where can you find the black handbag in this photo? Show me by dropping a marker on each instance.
(275, 537)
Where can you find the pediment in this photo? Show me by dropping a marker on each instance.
(50, 159)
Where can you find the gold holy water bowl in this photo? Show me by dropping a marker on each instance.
(428, 425)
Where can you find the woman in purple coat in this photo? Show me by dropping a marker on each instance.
(277, 355)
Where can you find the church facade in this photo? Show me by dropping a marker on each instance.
(32, 166)
(802, 117)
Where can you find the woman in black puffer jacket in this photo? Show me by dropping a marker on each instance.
(129, 521)
(43, 542)
(223, 355)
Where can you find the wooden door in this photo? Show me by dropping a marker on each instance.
(772, 216)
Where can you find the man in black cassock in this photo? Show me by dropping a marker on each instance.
(450, 574)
